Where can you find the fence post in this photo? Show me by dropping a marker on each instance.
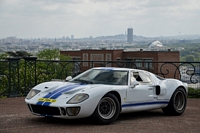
(13, 77)
(30, 79)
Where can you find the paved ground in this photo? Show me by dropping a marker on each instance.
(16, 118)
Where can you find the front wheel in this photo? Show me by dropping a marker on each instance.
(177, 103)
(107, 109)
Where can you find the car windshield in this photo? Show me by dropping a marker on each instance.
(103, 76)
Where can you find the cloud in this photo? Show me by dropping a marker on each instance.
(56, 18)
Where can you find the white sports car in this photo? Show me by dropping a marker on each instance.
(105, 92)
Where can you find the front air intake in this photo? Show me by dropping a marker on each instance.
(45, 110)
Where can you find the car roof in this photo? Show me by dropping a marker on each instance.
(116, 68)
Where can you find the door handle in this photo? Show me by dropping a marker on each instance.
(150, 88)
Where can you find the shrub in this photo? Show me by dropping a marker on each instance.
(193, 93)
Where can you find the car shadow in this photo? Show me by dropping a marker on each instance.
(59, 121)
(141, 115)
(90, 121)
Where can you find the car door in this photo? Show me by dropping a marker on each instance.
(143, 92)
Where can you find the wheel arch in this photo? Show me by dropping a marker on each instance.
(181, 86)
(118, 97)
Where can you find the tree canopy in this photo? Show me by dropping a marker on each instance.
(51, 54)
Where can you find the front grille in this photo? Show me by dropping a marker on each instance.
(45, 110)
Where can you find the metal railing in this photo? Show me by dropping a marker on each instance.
(18, 76)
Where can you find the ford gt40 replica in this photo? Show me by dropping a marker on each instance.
(103, 93)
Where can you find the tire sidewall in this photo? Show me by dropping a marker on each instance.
(98, 119)
(179, 90)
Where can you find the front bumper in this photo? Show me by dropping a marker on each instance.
(55, 111)
(44, 110)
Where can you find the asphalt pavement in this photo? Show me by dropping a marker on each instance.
(16, 118)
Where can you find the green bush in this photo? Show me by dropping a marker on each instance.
(193, 93)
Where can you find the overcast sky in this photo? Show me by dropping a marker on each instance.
(84, 18)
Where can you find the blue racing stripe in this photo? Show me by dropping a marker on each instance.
(55, 94)
(60, 93)
(52, 93)
(57, 90)
(145, 103)
(109, 68)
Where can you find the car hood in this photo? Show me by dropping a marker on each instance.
(64, 91)
(68, 88)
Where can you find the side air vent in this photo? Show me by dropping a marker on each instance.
(157, 90)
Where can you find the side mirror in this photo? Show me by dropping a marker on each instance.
(134, 83)
(68, 78)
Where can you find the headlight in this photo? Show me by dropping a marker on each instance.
(78, 98)
(32, 93)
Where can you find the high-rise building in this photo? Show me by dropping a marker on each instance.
(130, 35)
(72, 37)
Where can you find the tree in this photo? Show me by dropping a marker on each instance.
(190, 58)
(19, 54)
(49, 54)
(197, 57)
(55, 66)
(182, 58)
(3, 56)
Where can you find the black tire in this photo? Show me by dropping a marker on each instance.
(107, 110)
(177, 103)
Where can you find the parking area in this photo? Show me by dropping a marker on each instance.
(16, 118)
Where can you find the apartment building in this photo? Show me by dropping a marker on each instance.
(154, 61)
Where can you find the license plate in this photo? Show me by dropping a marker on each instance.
(47, 100)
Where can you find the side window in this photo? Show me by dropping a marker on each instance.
(145, 77)
(137, 76)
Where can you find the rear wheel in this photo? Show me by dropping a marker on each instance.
(177, 103)
(107, 109)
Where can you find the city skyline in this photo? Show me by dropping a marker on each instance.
(54, 19)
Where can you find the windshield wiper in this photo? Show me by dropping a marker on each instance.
(84, 81)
